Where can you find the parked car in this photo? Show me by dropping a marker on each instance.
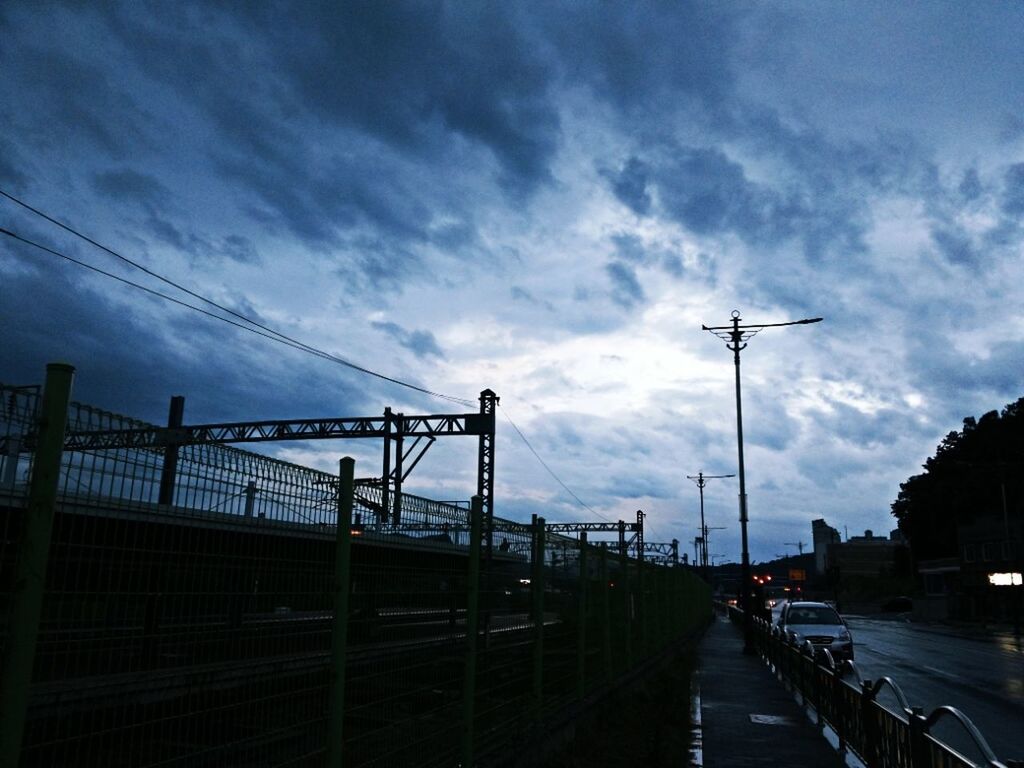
(777, 611)
(898, 605)
(818, 623)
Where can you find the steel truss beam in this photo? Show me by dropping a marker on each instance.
(390, 427)
(577, 527)
(285, 429)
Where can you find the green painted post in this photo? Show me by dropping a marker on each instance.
(538, 616)
(666, 604)
(641, 606)
(472, 629)
(606, 618)
(581, 639)
(30, 577)
(339, 629)
(627, 617)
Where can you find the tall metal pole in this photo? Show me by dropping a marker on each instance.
(734, 338)
(748, 624)
(703, 529)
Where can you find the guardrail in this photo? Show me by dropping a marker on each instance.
(849, 704)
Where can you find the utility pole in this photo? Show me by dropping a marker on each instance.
(735, 337)
(798, 544)
(707, 538)
(701, 480)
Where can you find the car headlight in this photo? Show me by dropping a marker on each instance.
(844, 635)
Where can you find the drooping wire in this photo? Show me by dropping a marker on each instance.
(546, 467)
(258, 329)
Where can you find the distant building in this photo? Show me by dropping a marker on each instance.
(866, 555)
(941, 583)
(990, 554)
(823, 535)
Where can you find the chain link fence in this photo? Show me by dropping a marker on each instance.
(201, 630)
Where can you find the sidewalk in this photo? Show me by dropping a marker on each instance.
(747, 716)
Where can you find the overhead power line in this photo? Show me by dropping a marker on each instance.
(244, 322)
(549, 470)
(263, 330)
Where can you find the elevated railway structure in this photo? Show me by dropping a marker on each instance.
(190, 611)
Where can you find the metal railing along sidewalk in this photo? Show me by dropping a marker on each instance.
(880, 735)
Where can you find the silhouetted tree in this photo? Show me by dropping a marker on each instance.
(965, 477)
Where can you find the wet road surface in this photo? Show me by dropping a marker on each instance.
(980, 674)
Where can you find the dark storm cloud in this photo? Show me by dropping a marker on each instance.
(638, 59)
(398, 71)
(631, 249)
(520, 294)
(769, 425)
(942, 372)
(248, 85)
(970, 186)
(710, 194)
(637, 485)
(127, 185)
(859, 429)
(1012, 128)
(144, 191)
(12, 171)
(130, 365)
(241, 249)
(626, 288)
(954, 244)
(1013, 190)
(629, 184)
(77, 100)
(420, 343)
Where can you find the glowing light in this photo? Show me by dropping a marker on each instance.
(1005, 579)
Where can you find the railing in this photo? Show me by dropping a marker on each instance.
(881, 736)
(200, 632)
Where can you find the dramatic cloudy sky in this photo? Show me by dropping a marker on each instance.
(547, 200)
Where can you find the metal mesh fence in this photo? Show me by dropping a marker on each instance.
(199, 632)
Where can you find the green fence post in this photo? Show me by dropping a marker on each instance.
(662, 599)
(606, 618)
(30, 577)
(339, 628)
(627, 617)
(581, 640)
(472, 628)
(538, 616)
(641, 607)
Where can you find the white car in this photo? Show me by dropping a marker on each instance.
(818, 623)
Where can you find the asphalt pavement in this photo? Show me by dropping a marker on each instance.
(747, 717)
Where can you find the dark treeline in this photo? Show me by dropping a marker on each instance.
(967, 476)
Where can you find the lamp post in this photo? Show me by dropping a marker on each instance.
(735, 337)
(701, 480)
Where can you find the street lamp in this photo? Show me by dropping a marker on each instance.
(701, 480)
(735, 336)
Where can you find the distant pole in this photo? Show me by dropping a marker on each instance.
(735, 336)
(168, 474)
(701, 480)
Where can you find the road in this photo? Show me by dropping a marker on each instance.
(980, 674)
